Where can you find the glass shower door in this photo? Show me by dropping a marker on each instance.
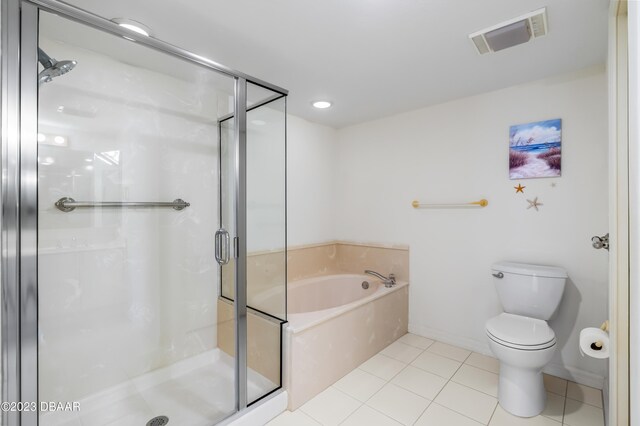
(128, 207)
(265, 222)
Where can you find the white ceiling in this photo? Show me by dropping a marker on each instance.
(371, 58)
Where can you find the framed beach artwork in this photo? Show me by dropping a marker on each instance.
(535, 149)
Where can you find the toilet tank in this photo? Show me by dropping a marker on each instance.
(531, 290)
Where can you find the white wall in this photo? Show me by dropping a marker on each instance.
(311, 165)
(457, 152)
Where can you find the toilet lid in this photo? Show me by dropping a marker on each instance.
(520, 332)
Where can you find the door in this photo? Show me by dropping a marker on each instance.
(128, 195)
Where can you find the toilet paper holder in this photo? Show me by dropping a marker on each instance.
(594, 341)
(597, 345)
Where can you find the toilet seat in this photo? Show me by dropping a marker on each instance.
(520, 332)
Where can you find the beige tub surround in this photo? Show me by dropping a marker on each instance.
(323, 345)
(337, 257)
(334, 324)
(312, 260)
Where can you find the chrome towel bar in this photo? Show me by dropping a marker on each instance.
(68, 204)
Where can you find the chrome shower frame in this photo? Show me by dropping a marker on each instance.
(19, 194)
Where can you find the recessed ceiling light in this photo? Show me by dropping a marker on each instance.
(132, 25)
(59, 140)
(41, 137)
(321, 104)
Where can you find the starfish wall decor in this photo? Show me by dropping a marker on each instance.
(534, 203)
(519, 188)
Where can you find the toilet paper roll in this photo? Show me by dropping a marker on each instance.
(589, 336)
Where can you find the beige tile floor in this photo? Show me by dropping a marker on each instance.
(417, 381)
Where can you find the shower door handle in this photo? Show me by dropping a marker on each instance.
(222, 246)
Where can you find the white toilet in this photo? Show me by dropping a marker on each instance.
(520, 337)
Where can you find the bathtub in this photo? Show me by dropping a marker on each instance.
(335, 325)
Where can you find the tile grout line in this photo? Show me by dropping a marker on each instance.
(397, 421)
(463, 415)
(494, 412)
(448, 380)
(564, 407)
(430, 401)
(480, 368)
(566, 385)
(584, 402)
(445, 385)
(389, 382)
(466, 386)
(350, 414)
(368, 406)
(423, 411)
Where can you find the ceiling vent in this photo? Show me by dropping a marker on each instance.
(511, 33)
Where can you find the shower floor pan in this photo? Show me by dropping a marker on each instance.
(197, 391)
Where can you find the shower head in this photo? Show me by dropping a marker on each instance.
(52, 68)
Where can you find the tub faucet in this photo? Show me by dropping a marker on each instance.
(388, 282)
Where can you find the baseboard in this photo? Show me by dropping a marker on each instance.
(605, 401)
(569, 373)
(451, 339)
(575, 375)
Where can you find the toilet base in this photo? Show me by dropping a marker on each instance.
(521, 391)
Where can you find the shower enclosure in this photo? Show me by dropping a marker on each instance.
(143, 227)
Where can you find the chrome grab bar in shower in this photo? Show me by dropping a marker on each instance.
(67, 204)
